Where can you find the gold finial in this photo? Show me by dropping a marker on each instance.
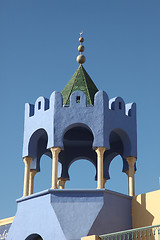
(81, 58)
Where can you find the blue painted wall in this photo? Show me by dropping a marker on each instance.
(71, 214)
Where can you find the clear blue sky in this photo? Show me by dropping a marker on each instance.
(38, 48)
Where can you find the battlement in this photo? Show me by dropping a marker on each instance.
(41, 104)
(118, 103)
(53, 118)
(78, 99)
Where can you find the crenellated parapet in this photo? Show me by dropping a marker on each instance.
(119, 105)
(49, 119)
(78, 99)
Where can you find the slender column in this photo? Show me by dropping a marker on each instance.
(27, 162)
(127, 172)
(104, 182)
(31, 181)
(100, 181)
(131, 188)
(61, 183)
(55, 153)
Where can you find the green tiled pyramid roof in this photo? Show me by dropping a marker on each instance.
(80, 81)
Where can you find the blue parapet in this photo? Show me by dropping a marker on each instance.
(108, 121)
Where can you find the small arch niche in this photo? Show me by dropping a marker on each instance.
(120, 105)
(78, 98)
(39, 105)
(34, 237)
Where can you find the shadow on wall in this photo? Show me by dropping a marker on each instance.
(141, 210)
(115, 215)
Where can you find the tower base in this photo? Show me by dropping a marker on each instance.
(70, 214)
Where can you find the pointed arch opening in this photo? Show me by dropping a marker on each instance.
(118, 179)
(115, 161)
(82, 175)
(78, 141)
(43, 178)
(37, 147)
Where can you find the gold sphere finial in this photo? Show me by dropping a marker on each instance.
(81, 58)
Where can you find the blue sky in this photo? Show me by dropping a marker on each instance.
(38, 48)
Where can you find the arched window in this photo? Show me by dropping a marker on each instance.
(34, 237)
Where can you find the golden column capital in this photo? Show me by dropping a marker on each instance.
(131, 160)
(55, 150)
(27, 160)
(100, 151)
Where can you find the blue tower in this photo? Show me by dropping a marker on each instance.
(79, 123)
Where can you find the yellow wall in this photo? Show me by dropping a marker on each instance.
(146, 209)
(6, 221)
(92, 237)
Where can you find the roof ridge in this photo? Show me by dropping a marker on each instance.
(89, 83)
(86, 85)
(85, 72)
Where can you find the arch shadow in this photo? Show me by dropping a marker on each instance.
(37, 147)
(78, 142)
(120, 144)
